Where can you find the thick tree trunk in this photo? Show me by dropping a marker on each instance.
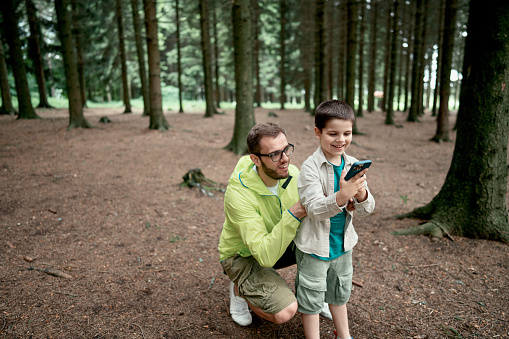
(76, 118)
(472, 201)
(282, 54)
(243, 59)
(389, 118)
(36, 54)
(140, 52)
(320, 93)
(10, 24)
(78, 40)
(372, 53)
(207, 59)
(418, 47)
(7, 107)
(157, 119)
(360, 112)
(442, 133)
(123, 58)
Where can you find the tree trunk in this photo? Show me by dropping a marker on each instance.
(76, 118)
(442, 133)
(416, 64)
(352, 14)
(11, 26)
(422, 63)
(329, 43)
(472, 201)
(387, 58)
(157, 119)
(123, 59)
(256, 51)
(342, 49)
(439, 57)
(360, 112)
(140, 51)
(36, 54)
(217, 92)
(7, 107)
(307, 50)
(282, 54)
(389, 118)
(78, 40)
(243, 60)
(320, 94)
(372, 53)
(410, 48)
(207, 58)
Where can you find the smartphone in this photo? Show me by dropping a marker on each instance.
(357, 167)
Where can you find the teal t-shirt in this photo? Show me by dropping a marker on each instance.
(337, 222)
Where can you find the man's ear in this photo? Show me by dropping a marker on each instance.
(255, 159)
(318, 133)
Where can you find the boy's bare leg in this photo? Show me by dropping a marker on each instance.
(311, 323)
(340, 318)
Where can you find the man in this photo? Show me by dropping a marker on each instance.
(262, 215)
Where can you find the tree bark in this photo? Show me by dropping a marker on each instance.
(320, 91)
(282, 54)
(78, 40)
(157, 119)
(36, 54)
(372, 53)
(389, 118)
(360, 112)
(140, 52)
(76, 118)
(207, 58)
(472, 201)
(342, 49)
(217, 92)
(123, 58)
(410, 48)
(442, 133)
(10, 24)
(7, 107)
(418, 47)
(243, 60)
(439, 57)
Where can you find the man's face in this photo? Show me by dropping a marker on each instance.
(273, 170)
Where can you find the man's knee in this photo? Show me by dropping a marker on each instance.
(286, 314)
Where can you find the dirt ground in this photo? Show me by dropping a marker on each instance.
(104, 206)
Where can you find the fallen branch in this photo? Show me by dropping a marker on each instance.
(423, 266)
(52, 271)
(143, 335)
(356, 283)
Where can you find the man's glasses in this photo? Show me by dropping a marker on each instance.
(276, 156)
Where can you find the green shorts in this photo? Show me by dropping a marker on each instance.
(321, 280)
(261, 286)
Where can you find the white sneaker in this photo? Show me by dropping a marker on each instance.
(239, 310)
(325, 312)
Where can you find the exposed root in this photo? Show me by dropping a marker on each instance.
(430, 229)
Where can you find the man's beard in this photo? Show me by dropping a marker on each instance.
(272, 173)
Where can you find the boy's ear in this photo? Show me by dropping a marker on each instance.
(255, 159)
(318, 133)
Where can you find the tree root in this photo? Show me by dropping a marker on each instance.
(431, 228)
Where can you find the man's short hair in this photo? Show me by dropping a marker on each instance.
(259, 131)
(332, 109)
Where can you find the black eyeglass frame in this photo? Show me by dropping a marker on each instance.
(278, 154)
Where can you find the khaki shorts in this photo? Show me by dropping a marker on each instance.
(322, 280)
(261, 286)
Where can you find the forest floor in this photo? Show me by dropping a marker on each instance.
(137, 253)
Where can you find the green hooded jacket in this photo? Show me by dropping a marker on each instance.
(257, 222)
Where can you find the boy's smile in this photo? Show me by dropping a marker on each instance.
(335, 138)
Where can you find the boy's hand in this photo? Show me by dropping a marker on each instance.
(353, 187)
(298, 210)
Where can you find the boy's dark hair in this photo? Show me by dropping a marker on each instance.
(259, 131)
(332, 109)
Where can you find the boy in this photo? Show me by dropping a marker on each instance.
(326, 237)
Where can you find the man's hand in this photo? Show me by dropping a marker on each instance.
(298, 210)
(353, 187)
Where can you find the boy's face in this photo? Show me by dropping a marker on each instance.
(335, 138)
